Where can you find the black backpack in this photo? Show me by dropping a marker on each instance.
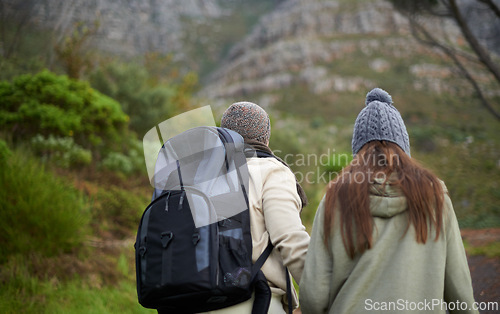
(194, 247)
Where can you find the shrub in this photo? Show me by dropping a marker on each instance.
(118, 162)
(131, 160)
(41, 214)
(61, 150)
(46, 104)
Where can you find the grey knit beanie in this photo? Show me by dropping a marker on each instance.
(379, 121)
(249, 120)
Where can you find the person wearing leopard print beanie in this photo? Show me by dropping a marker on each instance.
(275, 206)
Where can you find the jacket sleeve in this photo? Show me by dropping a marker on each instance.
(458, 284)
(315, 287)
(282, 206)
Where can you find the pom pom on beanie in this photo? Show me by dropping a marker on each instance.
(379, 95)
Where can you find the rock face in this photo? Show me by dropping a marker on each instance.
(292, 44)
(295, 43)
(127, 27)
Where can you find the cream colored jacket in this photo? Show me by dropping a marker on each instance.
(275, 214)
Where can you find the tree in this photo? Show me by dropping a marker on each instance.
(73, 53)
(474, 53)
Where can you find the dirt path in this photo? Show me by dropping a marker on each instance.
(485, 271)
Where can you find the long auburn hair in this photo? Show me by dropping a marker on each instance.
(349, 194)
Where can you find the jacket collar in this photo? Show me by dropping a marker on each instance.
(386, 200)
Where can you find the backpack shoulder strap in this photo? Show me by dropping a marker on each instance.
(262, 259)
(263, 154)
(260, 285)
(257, 269)
(289, 292)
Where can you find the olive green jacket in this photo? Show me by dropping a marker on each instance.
(397, 275)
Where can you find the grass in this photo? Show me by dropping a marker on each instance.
(116, 210)
(40, 213)
(27, 294)
(490, 250)
(48, 262)
(472, 177)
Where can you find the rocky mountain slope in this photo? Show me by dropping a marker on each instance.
(127, 27)
(313, 44)
(321, 46)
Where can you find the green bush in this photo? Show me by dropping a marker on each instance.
(130, 161)
(46, 104)
(40, 213)
(118, 162)
(61, 150)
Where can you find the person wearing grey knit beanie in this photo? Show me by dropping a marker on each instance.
(379, 121)
(275, 201)
(385, 229)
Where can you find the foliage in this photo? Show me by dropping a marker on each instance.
(128, 160)
(72, 52)
(471, 173)
(117, 210)
(460, 55)
(13, 67)
(150, 91)
(5, 153)
(18, 35)
(118, 162)
(40, 213)
(126, 164)
(62, 150)
(49, 104)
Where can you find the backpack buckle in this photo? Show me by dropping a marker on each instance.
(142, 251)
(196, 238)
(166, 237)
